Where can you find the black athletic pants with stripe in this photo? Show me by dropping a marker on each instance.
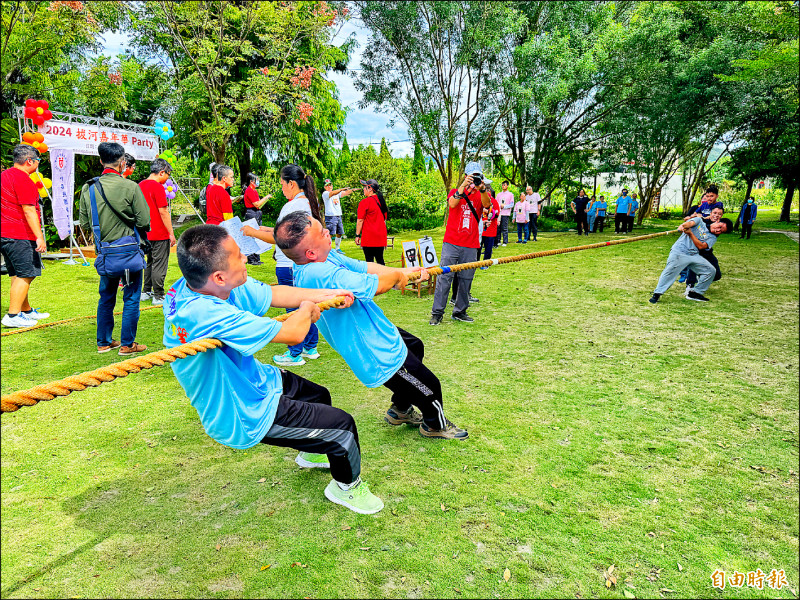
(306, 421)
(415, 385)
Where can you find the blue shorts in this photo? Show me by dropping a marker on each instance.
(334, 225)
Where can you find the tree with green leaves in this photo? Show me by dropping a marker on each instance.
(418, 164)
(437, 67)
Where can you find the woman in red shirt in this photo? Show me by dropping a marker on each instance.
(371, 223)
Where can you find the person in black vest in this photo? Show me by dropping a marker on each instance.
(579, 208)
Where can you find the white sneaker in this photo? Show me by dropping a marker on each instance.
(688, 289)
(36, 315)
(504, 245)
(158, 301)
(18, 321)
(145, 296)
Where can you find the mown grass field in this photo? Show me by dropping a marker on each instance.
(604, 431)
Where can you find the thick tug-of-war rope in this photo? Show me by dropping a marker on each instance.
(63, 387)
(519, 257)
(62, 321)
(79, 382)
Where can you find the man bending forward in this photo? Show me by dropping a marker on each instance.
(242, 402)
(378, 352)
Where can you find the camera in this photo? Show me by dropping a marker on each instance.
(477, 179)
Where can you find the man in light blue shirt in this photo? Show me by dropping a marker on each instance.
(633, 206)
(685, 252)
(242, 402)
(621, 216)
(372, 346)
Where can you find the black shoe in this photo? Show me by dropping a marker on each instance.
(435, 320)
(463, 317)
(655, 298)
(697, 297)
(452, 302)
(473, 299)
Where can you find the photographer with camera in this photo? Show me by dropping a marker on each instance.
(332, 199)
(461, 242)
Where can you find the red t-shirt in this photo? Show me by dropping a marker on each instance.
(250, 197)
(491, 230)
(218, 201)
(373, 232)
(156, 198)
(462, 228)
(17, 190)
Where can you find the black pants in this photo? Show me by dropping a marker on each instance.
(156, 270)
(373, 254)
(620, 222)
(253, 213)
(306, 421)
(630, 219)
(691, 278)
(599, 223)
(533, 230)
(415, 385)
(746, 229)
(582, 222)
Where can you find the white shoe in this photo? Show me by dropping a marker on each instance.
(36, 315)
(18, 321)
(688, 289)
(504, 245)
(158, 301)
(145, 296)
(310, 460)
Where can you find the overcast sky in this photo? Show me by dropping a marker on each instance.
(362, 126)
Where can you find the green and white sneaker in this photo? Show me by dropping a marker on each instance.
(313, 354)
(358, 499)
(312, 461)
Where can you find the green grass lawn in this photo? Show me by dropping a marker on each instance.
(604, 431)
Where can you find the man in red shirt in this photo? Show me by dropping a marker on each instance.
(160, 236)
(461, 242)
(219, 206)
(22, 239)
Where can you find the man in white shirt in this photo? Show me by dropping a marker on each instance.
(534, 200)
(333, 211)
(506, 201)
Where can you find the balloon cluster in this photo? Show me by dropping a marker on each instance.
(42, 183)
(163, 129)
(169, 156)
(170, 188)
(34, 139)
(37, 111)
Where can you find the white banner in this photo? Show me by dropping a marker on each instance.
(427, 253)
(62, 163)
(410, 254)
(84, 139)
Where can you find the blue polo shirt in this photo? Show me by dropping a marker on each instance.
(367, 341)
(633, 206)
(235, 395)
(622, 204)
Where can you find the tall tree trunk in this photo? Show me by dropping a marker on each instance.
(786, 210)
(243, 160)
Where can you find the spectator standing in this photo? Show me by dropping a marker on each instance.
(252, 208)
(747, 216)
(591, 213)
(490, 216)
(505, 200)
(161, 235)
(371, 222)
(332, 200)
(219, 206)
(579, 208)
(633, 206)
(128, 165)
(521, 219)
(600, 209)
(460, 242)
(22, 239)
(121, 207)
(534, 201)
(621, 215)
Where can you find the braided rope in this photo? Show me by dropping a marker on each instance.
(63, 387)
(62, 321)
(520, 257)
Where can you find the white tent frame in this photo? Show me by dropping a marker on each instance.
(24, 125)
